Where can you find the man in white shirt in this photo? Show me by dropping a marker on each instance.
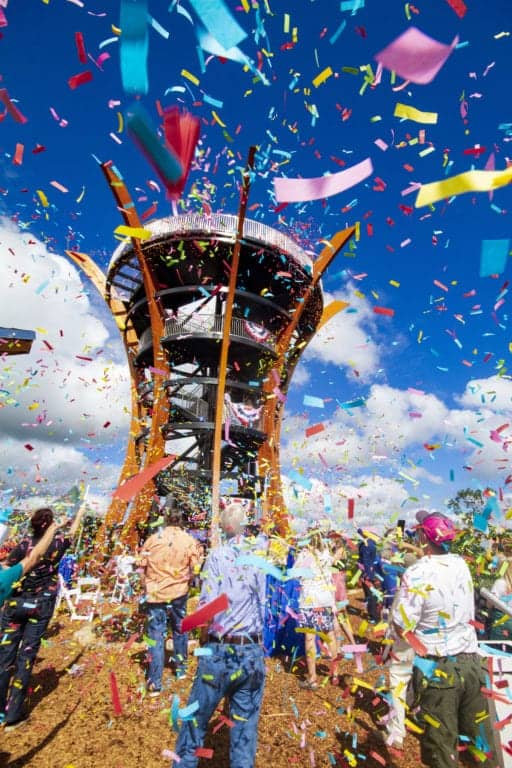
(434, 611)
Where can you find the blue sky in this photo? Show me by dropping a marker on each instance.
(435, 374)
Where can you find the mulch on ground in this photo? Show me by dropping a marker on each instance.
(73, 721)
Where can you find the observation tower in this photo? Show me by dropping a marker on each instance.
(215, 312)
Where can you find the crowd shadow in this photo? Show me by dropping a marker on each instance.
(46, 680)
(23, 760)
(373, 743)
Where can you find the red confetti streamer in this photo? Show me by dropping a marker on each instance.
(204, 752)
(38, 148)
(80, 47)
(106, 424)
(114, 692)
(476, 151)
(28, 447)
(415, 643)
(350, 508)
(384, 311)
(130, 641)
(314, 429)
(18, 155)
(459, 7)
(134, 484)
(149, 212)
(181, 130)
(80, 79)
(11, 108)
(203, 615)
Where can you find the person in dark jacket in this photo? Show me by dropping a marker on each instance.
(27, 614)
(371, 575)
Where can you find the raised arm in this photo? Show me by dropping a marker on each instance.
(39, 550)
(75, 525)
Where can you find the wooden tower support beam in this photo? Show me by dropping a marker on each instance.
(274, 509)
(224, 350)
(155, 445)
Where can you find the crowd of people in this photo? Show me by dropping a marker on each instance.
(420, 592)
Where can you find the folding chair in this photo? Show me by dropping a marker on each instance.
(88, 590)
(68, 594)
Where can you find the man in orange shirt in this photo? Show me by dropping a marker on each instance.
(169, 559)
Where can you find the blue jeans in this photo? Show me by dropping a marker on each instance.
(159, 614)
(24, 622)
(238, 673)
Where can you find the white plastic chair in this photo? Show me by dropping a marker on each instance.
(87, 590)
(66, 593)
(122, 587)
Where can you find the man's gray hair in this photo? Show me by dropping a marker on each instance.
(233, 519)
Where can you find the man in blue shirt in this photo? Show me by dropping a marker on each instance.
(231, 662)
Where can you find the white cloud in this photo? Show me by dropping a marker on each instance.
(300, 376)
(410, 438)
(377, 501)
(494, 394)
(61, 405)
(348, 339)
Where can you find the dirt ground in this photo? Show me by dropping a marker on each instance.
(73, 723)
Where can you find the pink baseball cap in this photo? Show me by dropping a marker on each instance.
(437, 528)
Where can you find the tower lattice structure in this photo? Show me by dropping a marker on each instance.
(214, 312)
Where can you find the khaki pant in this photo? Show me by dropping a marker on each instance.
(452, 706)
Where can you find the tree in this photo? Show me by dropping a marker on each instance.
(466, 503)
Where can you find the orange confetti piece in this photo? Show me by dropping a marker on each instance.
(18, 155)
(314, 429)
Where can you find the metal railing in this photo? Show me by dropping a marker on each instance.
(218, 224)
(212, 325)
(194, 406)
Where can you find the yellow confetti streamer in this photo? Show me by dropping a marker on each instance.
(120, 122)
(412, 726)
(417, 115)
(189, 76)
(116, 30)
(138, 233)
(323, 76)
(431, 720)
(469, 181)
(217, 119)
(44, 200)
